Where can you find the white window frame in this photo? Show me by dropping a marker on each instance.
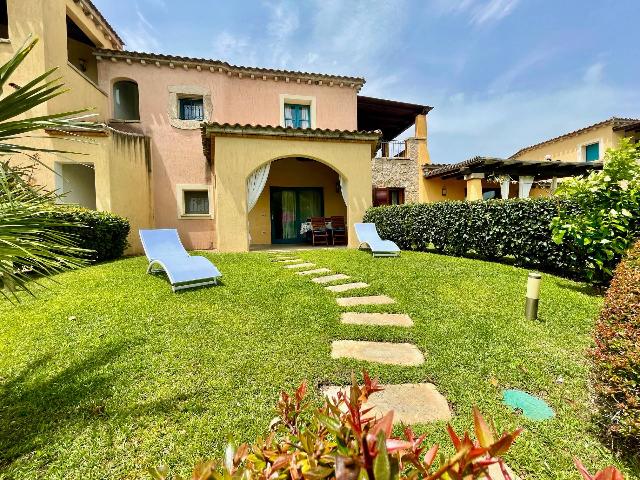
(582, 149)
(298, 100)
(190, 187)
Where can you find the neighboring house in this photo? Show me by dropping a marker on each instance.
(532, 171)
(586, 144)
(231, 156)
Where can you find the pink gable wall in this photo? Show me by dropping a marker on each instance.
(177, 156)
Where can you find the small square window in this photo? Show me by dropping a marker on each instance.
(196, 202)
(191, 108)
(297, 116)
(592, 152)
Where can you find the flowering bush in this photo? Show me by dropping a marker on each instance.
(617, 355)
(606, 223)
(340, 440)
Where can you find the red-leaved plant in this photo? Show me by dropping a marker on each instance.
(343, 440)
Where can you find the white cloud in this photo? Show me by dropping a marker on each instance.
(501, 124)
(140, 35)
(234, 49)
(492, 11)
(594, 73)
(524, 65)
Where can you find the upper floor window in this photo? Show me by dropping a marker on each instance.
(297, 116)
(191, 108)
(4, 20)
(592, 152)
(125, 100)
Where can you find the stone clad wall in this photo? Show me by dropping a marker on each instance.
(399, 172)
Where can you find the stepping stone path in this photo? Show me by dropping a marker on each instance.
(369, 300)
(287, 260)
(343, 287)
(378, 319)
(300, 265)
(330, 278)
(411, 402)
(312, 272)
(388, 353)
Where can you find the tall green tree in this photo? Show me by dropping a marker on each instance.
(31, 243)
(609, 218)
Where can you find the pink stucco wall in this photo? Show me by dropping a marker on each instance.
(176, 154)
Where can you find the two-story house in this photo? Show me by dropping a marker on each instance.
(231, 156)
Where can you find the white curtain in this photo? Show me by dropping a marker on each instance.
(524, 185)
(343, 190)
(255, 184)
(288, 116)
(504, 186)
(305, 121)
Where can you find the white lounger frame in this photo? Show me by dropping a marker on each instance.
(180, 286)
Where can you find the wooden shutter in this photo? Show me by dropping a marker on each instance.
(380, 196)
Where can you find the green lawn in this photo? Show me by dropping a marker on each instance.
(108, 371)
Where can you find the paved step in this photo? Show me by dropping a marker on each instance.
(368, 300)
(330, 278)
(300, 265)
(411, 403)
(343, 287)
(312, 272)
(288, 260)
(378, 319)
(278, 251)
(405, 354)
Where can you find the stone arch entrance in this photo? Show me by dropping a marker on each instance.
(296, 189)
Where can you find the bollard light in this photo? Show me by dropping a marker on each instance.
(533, 296)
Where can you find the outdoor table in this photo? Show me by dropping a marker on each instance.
(306, 227)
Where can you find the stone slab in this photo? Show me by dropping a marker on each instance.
(344, 287)
(287, 260)
(411, 403)
(496, 472)
(405, 354)
(313, 272)
(368, 300)
(330, 278)
(378, 319)
(278, 251)
(300, 265)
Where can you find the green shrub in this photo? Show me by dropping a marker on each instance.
(103, 232)
(606, 223)
(617, 355)
(493, 229)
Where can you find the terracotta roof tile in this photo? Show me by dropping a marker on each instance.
(112, 30)
(227, 67)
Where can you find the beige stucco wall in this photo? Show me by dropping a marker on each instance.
(235, 158)
(571, 149)
(432, 189)
(290, 172)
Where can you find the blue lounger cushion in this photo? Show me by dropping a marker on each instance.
(165, 252)
(368, 235)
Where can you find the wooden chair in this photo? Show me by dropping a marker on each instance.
(319, 234)
(339, 230)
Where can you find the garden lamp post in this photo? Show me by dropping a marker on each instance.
(533, 296)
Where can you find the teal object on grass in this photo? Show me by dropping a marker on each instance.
(532, 407)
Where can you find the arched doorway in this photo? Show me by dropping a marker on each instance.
(296, 189)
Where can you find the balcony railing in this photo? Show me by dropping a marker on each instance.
(392, 149)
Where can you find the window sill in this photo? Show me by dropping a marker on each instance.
(119, 120)
(195, 216)
(185, 124)
(5, 40)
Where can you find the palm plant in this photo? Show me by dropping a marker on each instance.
(31, 241)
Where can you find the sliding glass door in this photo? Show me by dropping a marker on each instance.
(290, 206)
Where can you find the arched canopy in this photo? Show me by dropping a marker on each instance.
(126, 100)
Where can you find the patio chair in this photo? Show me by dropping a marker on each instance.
(165, 252)
(338, 230)
(368, 235)
(319, 235)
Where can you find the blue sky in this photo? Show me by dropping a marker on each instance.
(500, 74)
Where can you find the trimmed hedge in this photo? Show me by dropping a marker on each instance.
(493, 229)
(616, 356)
(103, 232)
